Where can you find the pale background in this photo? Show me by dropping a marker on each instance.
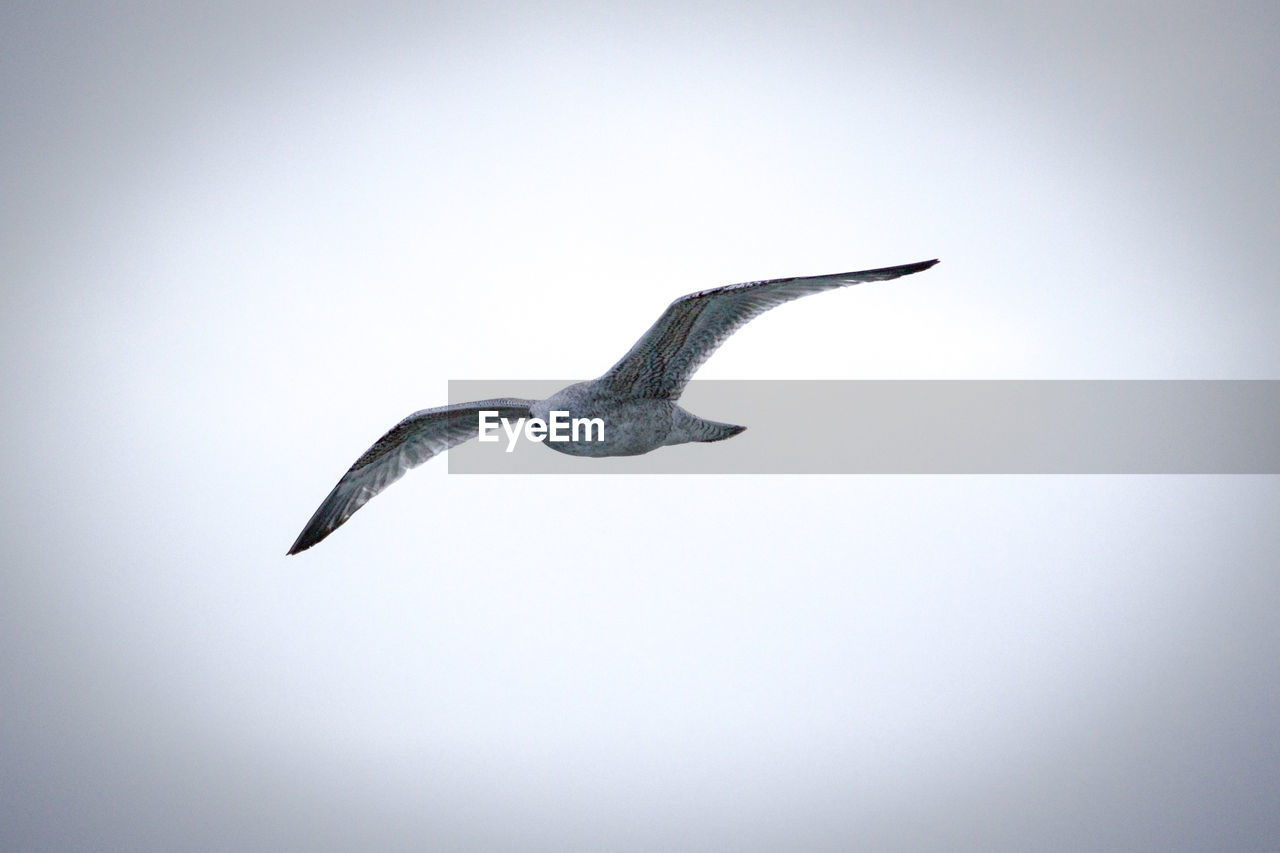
(241, 240)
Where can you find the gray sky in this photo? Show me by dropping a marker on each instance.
(238, 243)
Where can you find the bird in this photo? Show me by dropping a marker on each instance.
(635, 400)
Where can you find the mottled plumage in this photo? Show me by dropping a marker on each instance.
(636, 398)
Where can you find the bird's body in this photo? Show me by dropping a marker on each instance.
(635, 400)
(633, 425)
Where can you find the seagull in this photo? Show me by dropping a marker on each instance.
(635, 399)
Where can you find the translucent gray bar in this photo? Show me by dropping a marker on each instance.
(934, 427)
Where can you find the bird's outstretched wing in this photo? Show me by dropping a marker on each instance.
(408, 444)
(692, 327)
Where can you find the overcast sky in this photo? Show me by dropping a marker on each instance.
(240, 242)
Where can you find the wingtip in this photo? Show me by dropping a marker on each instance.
(896, 272)
(888, 273)
(302, 543)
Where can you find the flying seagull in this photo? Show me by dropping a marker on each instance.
(635, 400)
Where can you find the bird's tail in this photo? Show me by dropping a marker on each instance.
(690, 427)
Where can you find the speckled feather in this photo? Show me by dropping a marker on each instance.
(661, 363)
(636, 397)
(406, 445)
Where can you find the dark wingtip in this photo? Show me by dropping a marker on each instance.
(886, 273)
(305, 540)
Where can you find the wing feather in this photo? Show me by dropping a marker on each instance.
(692, 328)
(406, 445)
